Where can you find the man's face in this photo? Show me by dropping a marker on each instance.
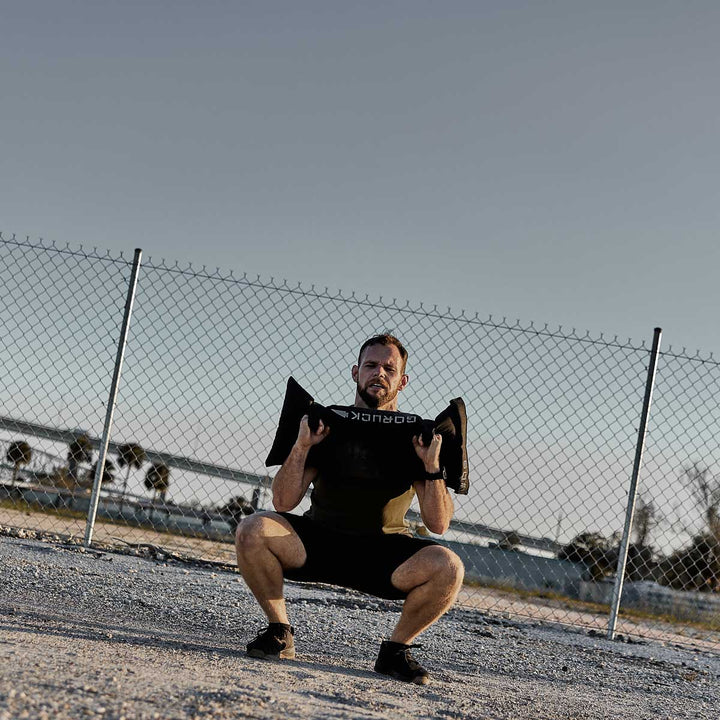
(379, 377)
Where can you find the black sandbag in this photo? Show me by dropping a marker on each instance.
(297, 403)
(451, 423)
(384, 433)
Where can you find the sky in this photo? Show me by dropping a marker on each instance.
(555, 162)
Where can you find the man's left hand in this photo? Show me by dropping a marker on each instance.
(429, 454)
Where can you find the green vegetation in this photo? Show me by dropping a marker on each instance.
(694, 567)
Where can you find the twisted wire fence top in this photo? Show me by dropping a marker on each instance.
(351, 297)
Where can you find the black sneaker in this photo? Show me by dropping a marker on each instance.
(275, 642)
(396, 661)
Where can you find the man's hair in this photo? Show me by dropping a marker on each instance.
(385, 339)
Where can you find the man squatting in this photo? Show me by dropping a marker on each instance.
(345, 538)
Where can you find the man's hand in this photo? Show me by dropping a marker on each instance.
(293, 479)
(429, 454)
(307, 438)
(436, 505)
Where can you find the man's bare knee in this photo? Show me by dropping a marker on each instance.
(443, 564)
(455, 567)
(435, 564)
(268, 531)
(252, 532)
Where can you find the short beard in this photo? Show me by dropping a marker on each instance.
(373, 401)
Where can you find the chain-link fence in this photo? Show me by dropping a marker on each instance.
(552, 436)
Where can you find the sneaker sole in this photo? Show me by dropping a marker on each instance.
(420, 680)
(287, 654)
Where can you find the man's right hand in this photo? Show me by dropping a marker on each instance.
(307, 438)
(294, 476)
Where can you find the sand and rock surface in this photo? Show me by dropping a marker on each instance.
(88, 634)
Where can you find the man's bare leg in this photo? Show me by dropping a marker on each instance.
(432, 578)
(265, 544)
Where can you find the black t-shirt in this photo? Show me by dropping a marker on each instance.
(365, 476)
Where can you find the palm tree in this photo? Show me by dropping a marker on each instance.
(157, 479)
(108, 476)
(234, 510)
(130, 455)
(18, 453)
(79, 451)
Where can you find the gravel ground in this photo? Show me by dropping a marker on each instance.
(100, 634)
(487, 600)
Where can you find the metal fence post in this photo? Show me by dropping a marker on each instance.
(100, 467)
(632, 492)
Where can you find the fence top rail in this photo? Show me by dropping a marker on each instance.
(358, 299)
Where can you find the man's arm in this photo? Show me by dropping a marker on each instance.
(293, 479)
(436, 504)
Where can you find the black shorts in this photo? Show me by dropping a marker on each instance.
(361, 562)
